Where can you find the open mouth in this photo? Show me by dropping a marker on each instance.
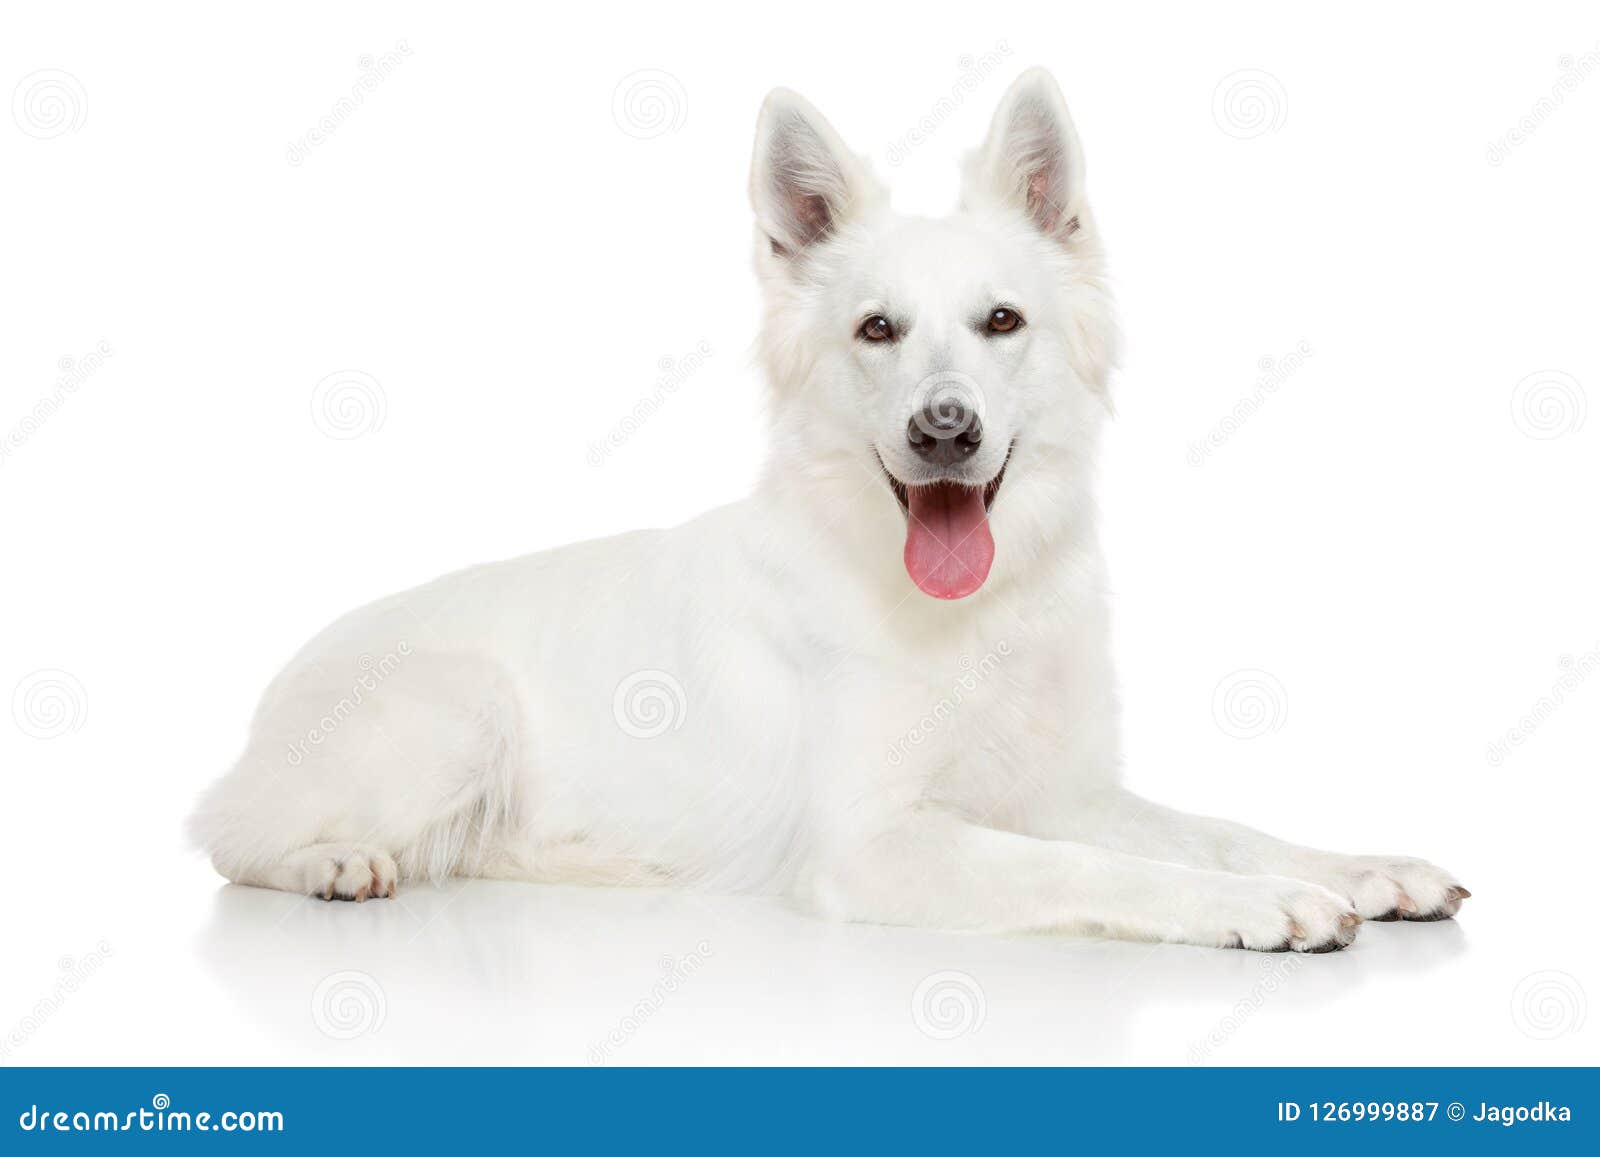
(949, 548)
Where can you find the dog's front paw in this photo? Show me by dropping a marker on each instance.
(1391, 887)
(1277, 914)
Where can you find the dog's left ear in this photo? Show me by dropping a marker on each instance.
(1031, 163)
(1031, 159)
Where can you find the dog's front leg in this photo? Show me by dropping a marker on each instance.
(935, 870)
(1378, 887)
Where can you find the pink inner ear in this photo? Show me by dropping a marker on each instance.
(1042, 207)
(811, 216)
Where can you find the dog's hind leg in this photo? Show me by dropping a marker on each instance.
(352, 781)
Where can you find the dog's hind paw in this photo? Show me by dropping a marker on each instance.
(347, 872)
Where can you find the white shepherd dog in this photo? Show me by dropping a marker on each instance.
(880, 685)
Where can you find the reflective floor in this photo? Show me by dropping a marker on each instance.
(502, 973)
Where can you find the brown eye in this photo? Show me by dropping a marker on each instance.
(876, 328)
(1004, 321)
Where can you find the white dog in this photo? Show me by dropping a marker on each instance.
(880, 685)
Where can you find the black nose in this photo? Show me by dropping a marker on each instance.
(945, 430)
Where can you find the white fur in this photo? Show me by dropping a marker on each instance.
(825, 730)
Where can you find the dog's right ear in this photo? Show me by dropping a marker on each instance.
(804, 183)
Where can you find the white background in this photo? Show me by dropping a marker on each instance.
(1399, 541)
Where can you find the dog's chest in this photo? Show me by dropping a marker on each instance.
(984, 701)
(1010, 722)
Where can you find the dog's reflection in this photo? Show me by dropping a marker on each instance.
(502, 973)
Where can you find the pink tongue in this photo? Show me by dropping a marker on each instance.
(948, 545)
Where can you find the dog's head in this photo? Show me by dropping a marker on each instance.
(954, 367)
